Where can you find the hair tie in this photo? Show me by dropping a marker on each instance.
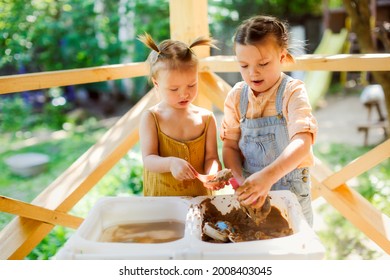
(190, 49)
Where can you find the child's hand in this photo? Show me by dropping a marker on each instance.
(240, 180)
(254, 190)
(215, 186)
(182, 170)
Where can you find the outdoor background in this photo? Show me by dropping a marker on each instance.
(48, 35)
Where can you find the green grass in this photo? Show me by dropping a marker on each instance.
(62, 154)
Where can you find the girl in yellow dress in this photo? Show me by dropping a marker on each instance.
(178, 139)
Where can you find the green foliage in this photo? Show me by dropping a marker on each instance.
(342, 240)
(17, 115)
(57, 35)
(50, 244)
(13, 114)
(54, 112)
(333, 4)
(47, 35)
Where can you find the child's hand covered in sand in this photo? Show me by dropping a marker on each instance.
(254, 190)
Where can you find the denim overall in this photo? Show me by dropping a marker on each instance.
(263, 140)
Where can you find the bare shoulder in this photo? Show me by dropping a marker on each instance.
(203, 112)
(147, 115)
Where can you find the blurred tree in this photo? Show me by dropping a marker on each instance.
(360, 14)
(47, 35)
(229, 14)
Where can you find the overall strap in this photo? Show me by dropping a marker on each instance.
(243, 102)
(207, 123)
(156, 121)
(279, 94)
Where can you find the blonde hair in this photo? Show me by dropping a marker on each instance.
(172, 54)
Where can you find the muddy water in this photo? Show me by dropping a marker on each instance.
(150, 232)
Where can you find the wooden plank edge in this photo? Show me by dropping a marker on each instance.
(26, 210)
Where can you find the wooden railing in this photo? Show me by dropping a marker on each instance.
(36, 219)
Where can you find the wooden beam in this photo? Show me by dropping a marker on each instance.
(219, 64)
(341, 62)
(23, 209)
(12, 246)
(359, 165)
(36, 81)
(75, 182)
(214, 88)
(356, 209)
(189, 20)
(312, 62)
(201, 100)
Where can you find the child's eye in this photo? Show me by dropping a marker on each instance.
(244, 66)
(173, 89)
(190, 86)
(263, 64)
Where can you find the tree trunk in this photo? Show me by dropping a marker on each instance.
(360, 14)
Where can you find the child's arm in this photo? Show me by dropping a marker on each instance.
(256, 187)
(212, 164)
(231, 154)
(152, 161)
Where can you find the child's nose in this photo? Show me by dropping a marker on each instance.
(184, 93)
(254, 70)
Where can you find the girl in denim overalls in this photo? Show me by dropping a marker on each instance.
(268, 128)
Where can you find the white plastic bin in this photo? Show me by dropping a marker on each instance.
(111, 211)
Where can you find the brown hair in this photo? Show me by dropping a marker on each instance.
(172, 54)
(258, 28)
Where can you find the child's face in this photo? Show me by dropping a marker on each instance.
(177, 88)
(260, 65)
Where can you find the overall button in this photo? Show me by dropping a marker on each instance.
(305, 171)
(304, 179)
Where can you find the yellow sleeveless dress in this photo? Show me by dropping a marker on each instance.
(193, 151)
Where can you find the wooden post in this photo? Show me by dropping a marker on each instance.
(189, 20)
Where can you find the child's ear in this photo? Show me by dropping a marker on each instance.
(154, 81)
(283, 56)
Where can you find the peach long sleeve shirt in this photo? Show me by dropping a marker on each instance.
(296, 109)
